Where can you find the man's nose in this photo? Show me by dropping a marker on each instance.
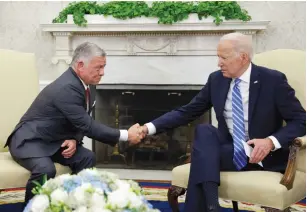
(219, 63)
(101, 72)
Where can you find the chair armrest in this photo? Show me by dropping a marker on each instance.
(303, 141)
(289, 175)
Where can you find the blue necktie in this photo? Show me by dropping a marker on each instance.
(239, 157)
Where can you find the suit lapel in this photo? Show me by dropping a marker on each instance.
(254, 88)
(223, 88)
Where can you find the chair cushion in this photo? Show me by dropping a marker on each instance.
(12, 175)
(256, 187)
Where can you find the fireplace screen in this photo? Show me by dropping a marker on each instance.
(123, 108)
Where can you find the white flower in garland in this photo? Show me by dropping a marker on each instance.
(135, 201)
(97, 200)
(40, 203)
(81, 209)
(59, 196)
(118, 199)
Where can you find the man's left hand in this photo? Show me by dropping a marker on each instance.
(262, 148)
(71, 148)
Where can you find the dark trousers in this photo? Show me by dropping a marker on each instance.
(82, 159)
(208, 158)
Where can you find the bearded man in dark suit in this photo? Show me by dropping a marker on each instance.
(53, 128)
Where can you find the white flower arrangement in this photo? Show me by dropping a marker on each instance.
(88, 191)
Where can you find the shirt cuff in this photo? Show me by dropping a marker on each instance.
(123, 135)
(151, 128)
(275, 142)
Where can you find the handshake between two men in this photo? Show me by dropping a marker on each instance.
(136, 133)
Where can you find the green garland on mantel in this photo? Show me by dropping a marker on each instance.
(167, 12)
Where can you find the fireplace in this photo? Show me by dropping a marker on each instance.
(121, 108)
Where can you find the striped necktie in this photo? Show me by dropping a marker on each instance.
(239, 158)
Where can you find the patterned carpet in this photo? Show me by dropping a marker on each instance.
(156, 192)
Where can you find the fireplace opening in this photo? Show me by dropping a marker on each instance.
(121, 108)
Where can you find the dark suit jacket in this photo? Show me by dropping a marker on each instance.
(58, 113)
(271, 101)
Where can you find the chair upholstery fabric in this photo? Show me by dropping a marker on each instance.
(18, 88)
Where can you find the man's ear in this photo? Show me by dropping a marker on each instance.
(80, 65)
(245, 57)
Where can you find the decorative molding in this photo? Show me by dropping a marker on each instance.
(152, 45)
(145, 34)
(173, 46)
(247, 32)
(65, 34)
(56, 59)
(63, 47)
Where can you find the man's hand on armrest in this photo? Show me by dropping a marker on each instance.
(262, 148)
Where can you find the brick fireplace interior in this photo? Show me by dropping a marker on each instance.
(121, 108)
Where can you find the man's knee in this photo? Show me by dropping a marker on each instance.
(90, 158)
(205, 134)
(47, 169)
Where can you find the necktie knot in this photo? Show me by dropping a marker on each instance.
(237, 81)
(87, 92)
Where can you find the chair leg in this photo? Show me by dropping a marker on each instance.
(235, 206)
(172, 195)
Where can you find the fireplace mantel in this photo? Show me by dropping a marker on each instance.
(98, 23)
(141, 51)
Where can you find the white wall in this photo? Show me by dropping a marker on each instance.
(20, 30)
(288, 24)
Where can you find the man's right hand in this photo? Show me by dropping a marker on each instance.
(135, 134)
(71, 147)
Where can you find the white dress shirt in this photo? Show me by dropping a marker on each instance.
(123, 133)
(244, 89)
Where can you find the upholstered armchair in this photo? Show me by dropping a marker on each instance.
(18, 88)
(273, 191)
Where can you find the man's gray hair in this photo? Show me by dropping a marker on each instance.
(242, 43)
(85, 52)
